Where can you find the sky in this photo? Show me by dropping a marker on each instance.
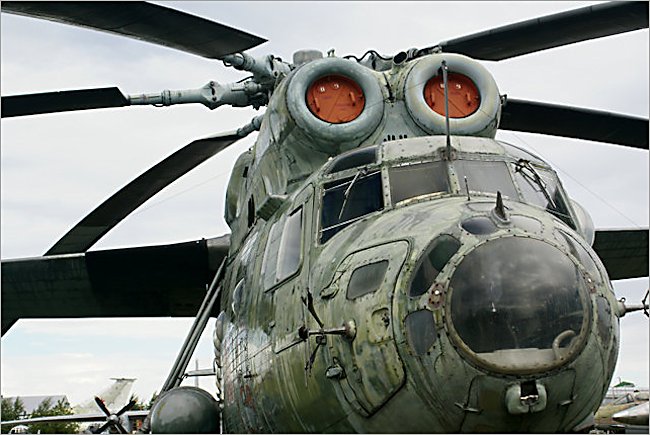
(56, 168)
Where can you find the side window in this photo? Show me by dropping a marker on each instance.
(283, 249)
(237, 295)
(290, 246)
(270, 261)
(349, 199)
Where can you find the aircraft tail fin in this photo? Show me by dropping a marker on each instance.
(115, 397)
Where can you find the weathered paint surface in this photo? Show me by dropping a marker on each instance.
(362, 384)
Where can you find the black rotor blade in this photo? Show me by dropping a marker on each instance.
(578, 123)
(108, 214)
(118, 426)
(125, 408)
(144, 21)
(552, 31)
(140, 281)
(624, 252)
(103, 427)
(62, 101)
(102, 406)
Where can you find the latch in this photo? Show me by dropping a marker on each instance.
(525, 397)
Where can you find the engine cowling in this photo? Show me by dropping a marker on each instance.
(474, 101)
(336, 102)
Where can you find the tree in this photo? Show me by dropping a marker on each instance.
(153, 399)
(11, 410)
(139, 406)
(45, 409)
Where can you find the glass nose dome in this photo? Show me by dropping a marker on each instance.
(518, 305)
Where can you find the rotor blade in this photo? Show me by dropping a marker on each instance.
(552, 31)
(144, 281)
(103, 427)
(102, 406)
(118, 426)
(623, 252)
(146, 22)
(125, 408)
(62, 101)
(575, 122)
(108, 214)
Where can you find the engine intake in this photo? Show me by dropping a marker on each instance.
(335, 101)
(474, 101)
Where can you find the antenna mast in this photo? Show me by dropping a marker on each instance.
(444, 80)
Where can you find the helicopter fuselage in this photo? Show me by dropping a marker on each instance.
(430, 301)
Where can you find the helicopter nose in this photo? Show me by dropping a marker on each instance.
(518, 305)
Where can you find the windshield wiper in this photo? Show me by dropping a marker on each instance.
(533, 176)
(346, 194)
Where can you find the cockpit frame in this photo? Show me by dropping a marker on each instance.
(460, 171)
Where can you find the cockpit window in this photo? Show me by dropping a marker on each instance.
(437, 255)
(283, 250)
(420, 331)
(289, 253)
(519, 303)
(417, 180)
(520, 153)
(541, 187)
(354, 159)
(349, 199)
(483, 176)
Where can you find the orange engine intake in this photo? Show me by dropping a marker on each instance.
(336, 99)
(464, 98)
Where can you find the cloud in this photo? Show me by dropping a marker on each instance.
(98, 327)
(96, 351)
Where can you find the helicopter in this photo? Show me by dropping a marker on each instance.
(313, 318)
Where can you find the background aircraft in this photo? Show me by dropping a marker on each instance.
(114, 397)
(55, 168)
(629, 404)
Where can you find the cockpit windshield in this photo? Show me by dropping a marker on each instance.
(354, 159)
(418, 180)
(485, 176)
(348, 200)
(541, 187)
(357, 194)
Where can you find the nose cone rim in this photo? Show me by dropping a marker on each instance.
(515, 268)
